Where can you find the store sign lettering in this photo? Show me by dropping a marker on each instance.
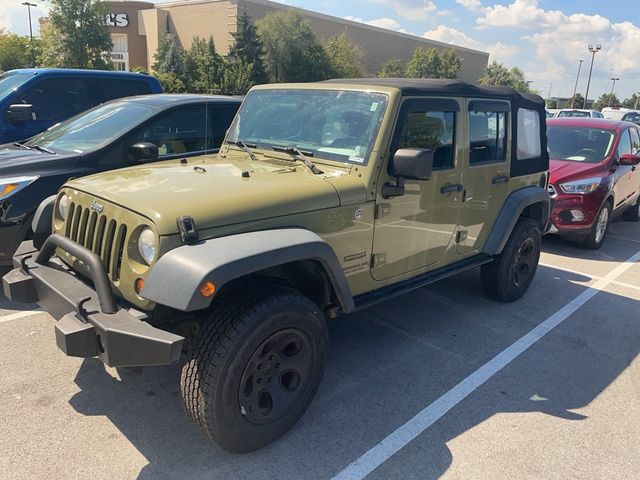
(117, 20)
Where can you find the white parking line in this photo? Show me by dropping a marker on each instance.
(394, 442)
(17, 315)
(592, 277)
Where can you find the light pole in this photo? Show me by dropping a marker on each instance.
(575, 87)
(29, 5)
(593, 51)
(612, 87)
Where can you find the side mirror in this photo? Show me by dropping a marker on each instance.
(20, 113)
(408, 164)
(144, 151)
(629, 159)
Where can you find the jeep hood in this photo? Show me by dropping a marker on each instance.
(214, 191)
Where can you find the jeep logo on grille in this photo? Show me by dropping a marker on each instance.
(96, 206)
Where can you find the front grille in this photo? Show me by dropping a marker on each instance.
(103, 235)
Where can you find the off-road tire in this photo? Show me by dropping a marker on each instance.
(632, 214)
(215, 381)
(592, 241)
(506, 279)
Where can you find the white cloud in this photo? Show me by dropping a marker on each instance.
(473, 5)
(498, 51)
(559, 40)
(412, 9)
(385, 22)
(14, 16)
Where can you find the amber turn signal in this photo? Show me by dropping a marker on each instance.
(139, 285)
(207, 289)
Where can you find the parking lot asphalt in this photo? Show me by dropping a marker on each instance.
(438, 383)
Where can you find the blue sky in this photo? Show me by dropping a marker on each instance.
(545, 38)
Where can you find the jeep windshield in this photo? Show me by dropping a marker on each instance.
(93, 129)
(10, 81)
(332, 124)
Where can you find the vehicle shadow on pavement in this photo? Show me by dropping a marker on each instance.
(386, 364)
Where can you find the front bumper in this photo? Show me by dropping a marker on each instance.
(88, 323)
(9, 240)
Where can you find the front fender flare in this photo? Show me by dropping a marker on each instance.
(175, 279)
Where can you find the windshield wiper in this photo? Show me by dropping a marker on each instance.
(301, 155)
(43, 149)
(22, 145)
(246, 148)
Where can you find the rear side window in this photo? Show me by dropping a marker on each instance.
(118, 88)
(56, 99)
(180, 130)
(528, 134)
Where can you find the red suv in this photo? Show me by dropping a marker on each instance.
(594, 175)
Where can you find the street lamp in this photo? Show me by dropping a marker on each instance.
(612, 87)
(29, 5)
(575, 87)
(593, 51)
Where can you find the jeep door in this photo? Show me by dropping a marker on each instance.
(415, 230)
(485, 172)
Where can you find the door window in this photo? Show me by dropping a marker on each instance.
(624, 146)
(432, 130)
(181, 130)
(55, 99)
(220, 117)
(635, 141)
(487, 137)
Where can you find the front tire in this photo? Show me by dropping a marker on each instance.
(508, 277)
(598, 232)
(255, 368)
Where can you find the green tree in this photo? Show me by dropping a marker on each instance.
(14, 51)
(498, 74)
(171, 83)
(392, 68)
(345, 57)
(632, 102)
(76, 35)
(169, 57)
(425, 63)
(202, 67)
(247, 50)
(578, 101)
(292, 53)
(606, 100)
(450, 64)
(551, 103)
(236, 78)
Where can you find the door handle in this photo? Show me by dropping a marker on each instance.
(499, 179)
(451, 188)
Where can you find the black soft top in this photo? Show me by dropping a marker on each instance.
(429, 86)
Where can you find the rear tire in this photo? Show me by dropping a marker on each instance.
(632, 214)
(508, 277)
(255, 368)
(598, 232)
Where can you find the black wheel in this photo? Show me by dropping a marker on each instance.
(598, 232)
(508, 277)
(632, 214)
(255, 368)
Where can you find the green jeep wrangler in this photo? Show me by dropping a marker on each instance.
(326, 198)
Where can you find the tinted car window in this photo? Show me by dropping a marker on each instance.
(487, 137)
(624, 146)
(632, 117)
(117, 88)
(220, 117)
(635, 140)
(432, 130)
(57, 98)
(180, 130)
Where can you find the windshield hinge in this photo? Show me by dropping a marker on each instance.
(187, 228)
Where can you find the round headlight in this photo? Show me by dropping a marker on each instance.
(148, 245)
(63, 207)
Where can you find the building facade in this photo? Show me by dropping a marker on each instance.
(137, 27)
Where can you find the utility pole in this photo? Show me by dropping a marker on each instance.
(612, 87)
(29, 5)
(575, 87)
(593, 51)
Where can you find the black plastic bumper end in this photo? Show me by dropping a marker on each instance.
(19, 287)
